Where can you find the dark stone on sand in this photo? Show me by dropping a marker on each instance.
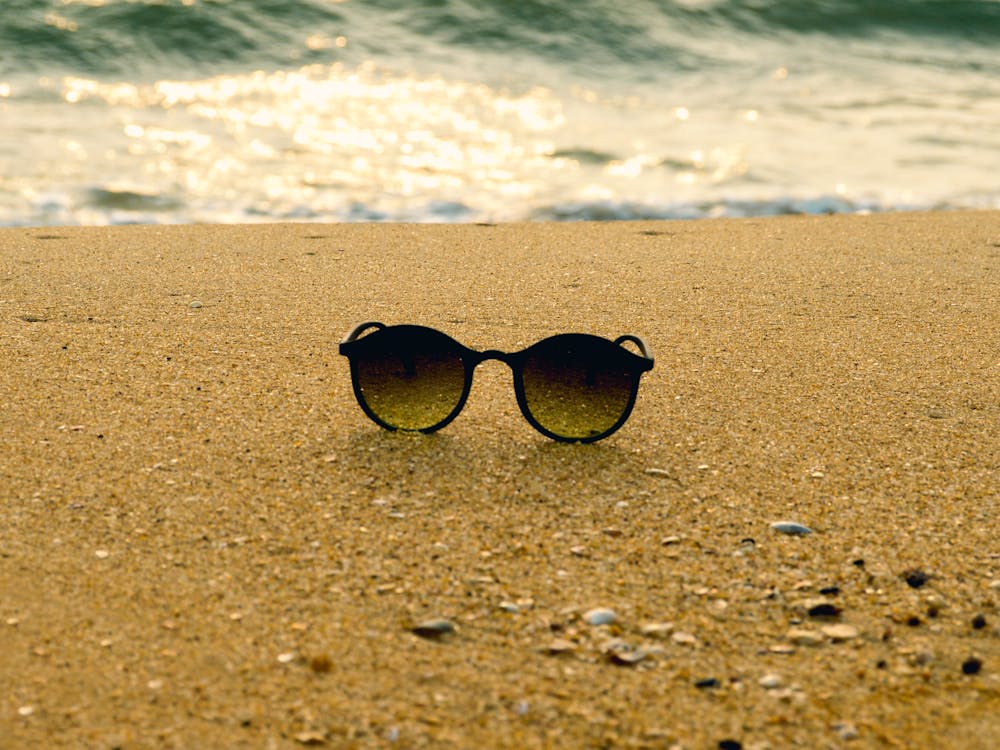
(916, 578)
(433, 628)
(972, 665)
(821, 611)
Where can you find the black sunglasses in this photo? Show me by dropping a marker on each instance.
(572, 387)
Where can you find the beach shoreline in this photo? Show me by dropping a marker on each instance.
(205, 543)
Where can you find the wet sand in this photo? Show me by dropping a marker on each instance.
(205, 543)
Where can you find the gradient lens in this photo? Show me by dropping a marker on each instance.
(578, 387)
(410, 378)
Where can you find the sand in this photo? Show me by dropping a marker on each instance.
(205, 543)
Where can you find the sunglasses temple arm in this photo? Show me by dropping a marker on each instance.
(359, 329)
(639, 342)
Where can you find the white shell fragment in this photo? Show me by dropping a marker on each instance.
(770, 681)
(791, 527)
(599, 616)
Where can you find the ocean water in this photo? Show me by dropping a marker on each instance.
(125, 111)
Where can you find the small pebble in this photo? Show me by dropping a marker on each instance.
(684, 639)
(822, 610)
(25, 710)
(196, 304)
(510, 607)
(791, 527)
(310, 738)
(972, 665)
(802, 637)
(626, 657)
(102, 554)
(657, 629)
(433, 628)
(600, 616)
(746, 546)
(916, 578)
(770, 681)
(706, 682)
(845, 730)
(922, 658)
(840, 632)
(559, 646)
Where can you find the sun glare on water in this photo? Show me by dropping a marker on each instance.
(320, 129)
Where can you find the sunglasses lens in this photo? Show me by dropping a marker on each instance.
(578, 387)
(410, 378)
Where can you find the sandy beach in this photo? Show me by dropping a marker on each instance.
(204, 543)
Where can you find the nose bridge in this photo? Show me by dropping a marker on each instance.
(494, 354)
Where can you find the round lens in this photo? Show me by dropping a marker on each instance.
(578, 387)
(410, 378)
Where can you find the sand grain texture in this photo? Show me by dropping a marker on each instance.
(204, 542)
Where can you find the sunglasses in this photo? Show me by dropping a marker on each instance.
(572, 387)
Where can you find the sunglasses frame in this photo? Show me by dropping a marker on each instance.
(470, 358)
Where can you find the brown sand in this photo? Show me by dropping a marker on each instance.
(205, 544)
